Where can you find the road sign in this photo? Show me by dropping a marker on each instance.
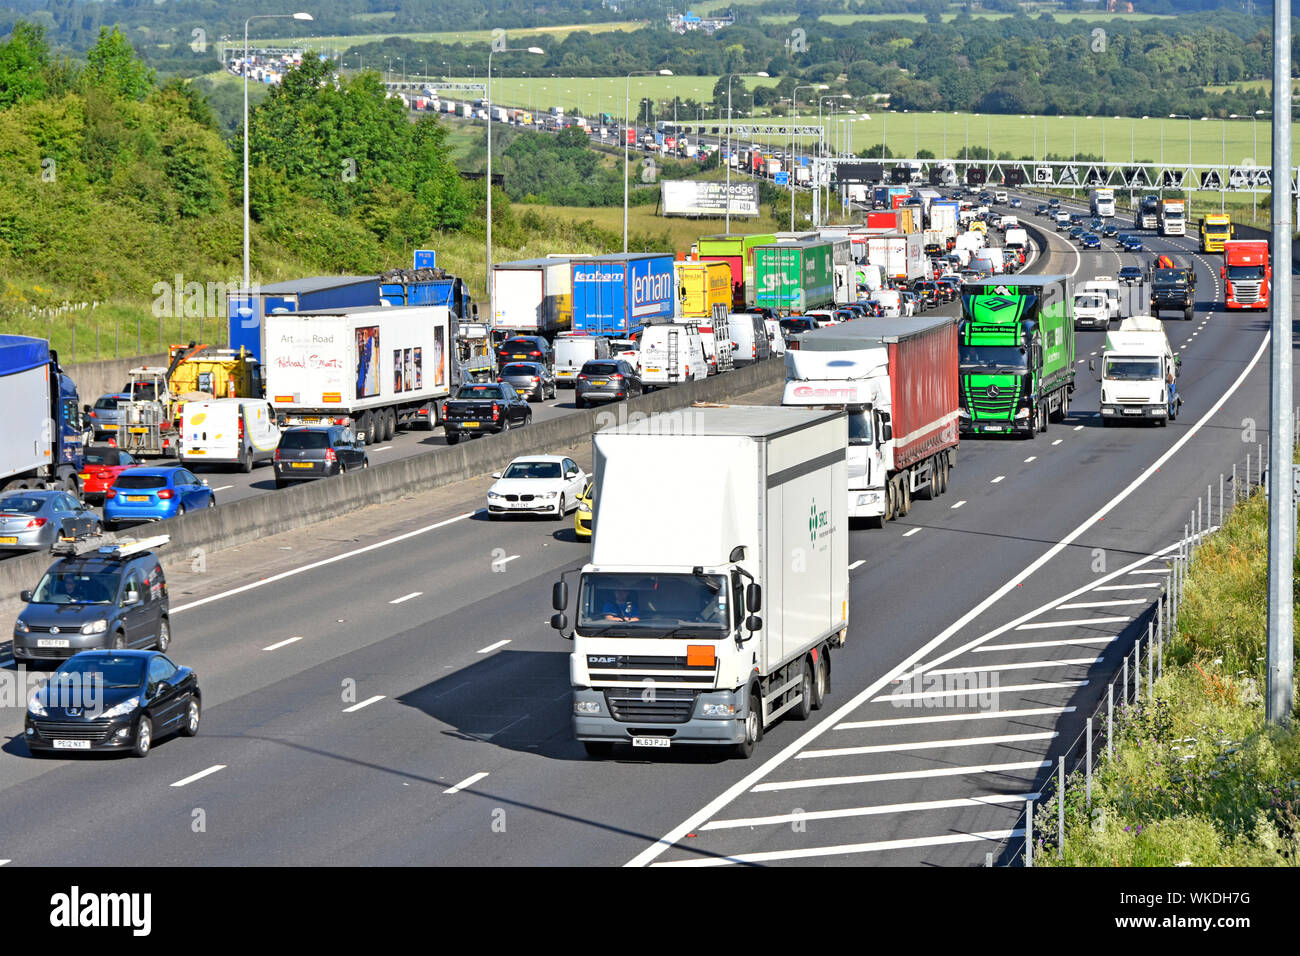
(1043, 175)
(1015, 177)
(426, 259)
(1210, 179)
(782, 178)
(1069, 176)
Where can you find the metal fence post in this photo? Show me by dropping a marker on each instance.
(1087, 771)
(1124, 699)
(1259, 468)
(1029, 833)
(1151, 675)
(1060, 808)
(74, 340)
(1222, 519)
(1110, 719)
(1137, 671)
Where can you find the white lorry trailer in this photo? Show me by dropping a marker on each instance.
(377, 368)
(1138, 371)
(897, 380)
(709, 622)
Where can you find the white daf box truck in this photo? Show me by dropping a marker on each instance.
(703, 621)
(1138, 369)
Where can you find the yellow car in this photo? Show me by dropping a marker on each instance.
(582, 517)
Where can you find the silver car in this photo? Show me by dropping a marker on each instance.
(103, 418)
(533, 380)
(32, 520)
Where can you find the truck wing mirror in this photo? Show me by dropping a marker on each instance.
(560, 622)
(753, 623)
(560, 595)
(754, 598)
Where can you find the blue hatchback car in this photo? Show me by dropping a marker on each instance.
(1134, 244)
(154, 493)
(1090, 240)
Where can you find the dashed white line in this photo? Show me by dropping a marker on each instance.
(492, 647)
(900, 775)
(959, 504)
(222, 488)
(364, 703)
(1039, 625)
(908, 534)
(3, 862)
(1078, 428)
(1058, 441)
(500, 563)
(200, 775)
(1014, 688)
(946, 718)
(857, 564)
(925, 745)
(284, 643)
(782, 818)
(382, 448)
(994, 481)
(467, 782)
(406, 597)
(1032, 645)
(1031, 458)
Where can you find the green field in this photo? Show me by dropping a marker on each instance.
(843, 19)
(467, 36)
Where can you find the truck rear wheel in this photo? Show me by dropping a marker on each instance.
(390, 424)
(1188, 313)
(821, 679)
(905, 495)
(890, 503)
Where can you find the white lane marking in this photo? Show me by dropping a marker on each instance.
(492, 647)
(200, 775)
(1058, 441)
(900, 775)
(1040, 625)
(1150, 571)
(284, 643)
(467, 782)
(222, 487)
(3, 862)
(857, 564)
(925, 745)
(1127, 587)
(1078, 428)
(1031, 458)
(959, 504)
(1018, 666)
(994, 481)
(502, 562)
(1014, 688)
(653, 851)
(1030, 645)
(946, 718)
(908, 534)
(1083, 604)
(324, 561)
(406, 597)
(767, 856)
(364, 703)
(781, 818)
(382, 448)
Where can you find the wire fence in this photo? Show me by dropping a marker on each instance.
(1130, 695)
(79, 334)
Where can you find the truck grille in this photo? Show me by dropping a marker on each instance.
(984, 405)
(72, 729)
(664, 705)
(647, 671)
(1245, 291)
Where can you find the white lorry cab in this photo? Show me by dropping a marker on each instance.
(228, 431)
(1138, 372)
(671, 354)
(703, 605)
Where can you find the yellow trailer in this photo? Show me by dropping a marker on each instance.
(701, 285)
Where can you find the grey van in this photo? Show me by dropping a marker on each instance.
(749, 332)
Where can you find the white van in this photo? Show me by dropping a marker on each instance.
(889, 300)
(572, 351)
(228, 431)
(671, 354)
(1107, 286)
(775, 340)
(749, 332)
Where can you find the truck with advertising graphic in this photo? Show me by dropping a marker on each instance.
(378, 369)
(621, 294)
(795, 276)
(713, 615)
(902, 256)
(1016, 354)
(896, 379)
(1247, 274)
(738, 252)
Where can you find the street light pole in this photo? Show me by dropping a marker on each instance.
(627, 118)
(793, 123)
(260, 16)
(730, 77)
(487, 96)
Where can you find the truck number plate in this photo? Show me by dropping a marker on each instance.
(651, 742)
(137, 497)
(52, 642)
(653, 369)
(72, 745)
(1132, 411)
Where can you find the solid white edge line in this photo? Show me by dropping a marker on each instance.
(200, 775)
(493, 647)
(653, 851)
(323, 562)
(986, 800)
(284, 643)
(467, 782)
(365, 703)
(911, 843)
(406, 597)
(925, 745)
(948, 718)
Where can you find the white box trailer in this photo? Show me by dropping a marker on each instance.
(380, 367)
(728, 606)
(533, 296)
(901, 256)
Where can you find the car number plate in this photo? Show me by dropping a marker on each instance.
(9, 539)
(137, 497)
(469, 424)
(652, 369)
(522, 391)
(84, 477)
(52, 642)
(303, 464)
(520, 355)
(196, 451)
(72, 745)
(651, 742)
(598, 381)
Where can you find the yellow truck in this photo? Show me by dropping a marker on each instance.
(1216, 228)
(701, 285)
(221, 373)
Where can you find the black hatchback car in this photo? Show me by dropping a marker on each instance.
(526, 348)
(317, 451)
(113, 700)
(111, 596)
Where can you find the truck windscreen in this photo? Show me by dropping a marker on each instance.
(993, 358)
(1132, 370)
(653, 605)
(859, 427)
(1245, 272)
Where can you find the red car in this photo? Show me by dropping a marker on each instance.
(103, 463)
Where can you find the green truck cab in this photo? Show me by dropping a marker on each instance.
(1016, 354)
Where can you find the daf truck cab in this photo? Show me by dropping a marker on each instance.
(1138, 372)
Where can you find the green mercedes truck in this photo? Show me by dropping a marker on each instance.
(1016, 354)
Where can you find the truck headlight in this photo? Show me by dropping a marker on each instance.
(870, 498)
(95, 627)
(1022, 413)
(717, 710)
(586, 707)
(962, 413)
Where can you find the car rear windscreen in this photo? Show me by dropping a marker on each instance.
(107, 403)
(140, 481)
(599, 368)
(519, 368)
(305, 440)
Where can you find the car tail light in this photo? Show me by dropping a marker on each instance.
(277, 454)
(620, 377)
(444, 409)
(535, 352)
(37, 522)
(582, 378)
(111, 493)
(500, 379)
(166, 494)
(241, 430)
(496, 411)
(330, 457)
(93, 415)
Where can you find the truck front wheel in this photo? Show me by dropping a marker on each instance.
(753, 725)
(803, 710)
